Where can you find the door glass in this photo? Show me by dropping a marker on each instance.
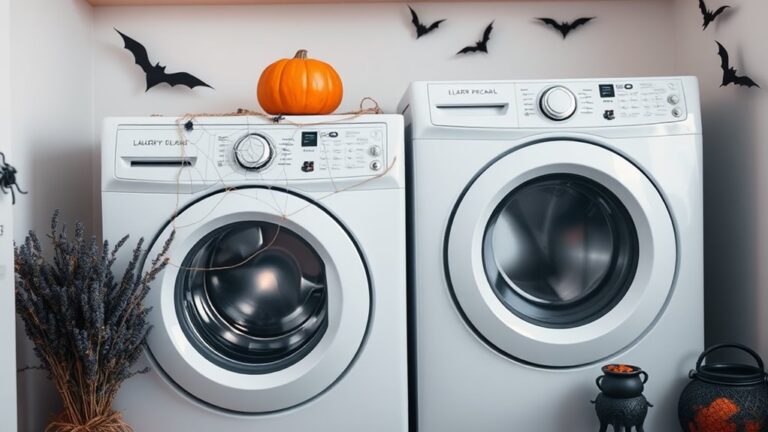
(560, 250)
(252, 297)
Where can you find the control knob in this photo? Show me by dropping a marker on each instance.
(557, 103)
(254, 152)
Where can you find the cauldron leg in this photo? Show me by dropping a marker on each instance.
(640, 428)
(603, 427)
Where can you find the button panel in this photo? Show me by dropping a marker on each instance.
(606, 103)
(230, 152)
(337, 150)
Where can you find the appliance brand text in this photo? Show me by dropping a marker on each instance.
(475, 91)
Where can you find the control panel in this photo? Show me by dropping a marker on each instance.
(268, 152)
(601, 103)
(552, 104)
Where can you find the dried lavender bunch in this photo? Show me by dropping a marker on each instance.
(88, 326)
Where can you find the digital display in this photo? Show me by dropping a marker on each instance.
(309, 139)
(607, 91)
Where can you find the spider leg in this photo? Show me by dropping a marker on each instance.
(2, 188)
(19, 189)
(13, 196)
(2, 155)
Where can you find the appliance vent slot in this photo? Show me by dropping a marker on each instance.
(475, 109)
(163, 163)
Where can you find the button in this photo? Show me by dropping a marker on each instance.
(374, 151)
(333, 134)
(677, 112)
(673, 99)
(629, 86)
(558, 103)
(609, 115)
(375, 165)
(308, 166)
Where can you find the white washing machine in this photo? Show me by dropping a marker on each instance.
(557, 226)
(283, 307)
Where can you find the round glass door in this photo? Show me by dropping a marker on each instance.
(560, 250)
(253, 296)
(257, 312)
(560, 254)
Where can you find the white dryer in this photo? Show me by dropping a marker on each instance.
(283, 307)
(557, 226)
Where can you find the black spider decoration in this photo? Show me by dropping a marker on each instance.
(8, 179)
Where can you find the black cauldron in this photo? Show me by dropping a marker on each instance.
(725, 396)
(622, 381)
(621, 403)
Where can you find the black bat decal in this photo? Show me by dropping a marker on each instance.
(421, 29)
(565, 27)
(155, 73)
(481, 45)
(729, 73)
(708, 15)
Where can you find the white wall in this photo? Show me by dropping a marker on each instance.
(735, 168)
(52, 135)
(371, 45)
(7, 320)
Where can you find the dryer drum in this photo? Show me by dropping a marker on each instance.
(560, 250)
(252, 297)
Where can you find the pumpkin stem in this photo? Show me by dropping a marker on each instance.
(301, 54)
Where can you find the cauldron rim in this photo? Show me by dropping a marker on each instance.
(635, 370)
(730, 374)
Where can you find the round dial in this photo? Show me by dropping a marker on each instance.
(558, 103)
(254, 152)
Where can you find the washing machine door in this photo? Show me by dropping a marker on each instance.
(264, 304)
(560, 254)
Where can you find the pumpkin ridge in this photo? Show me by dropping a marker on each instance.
(306, 93)
(277, 80)
(329, 86)
(312, 86)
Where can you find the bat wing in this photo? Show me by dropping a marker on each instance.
(469, 49)
(703, 8)
(580, 22)
(416, 23)
(745, 81)
(719, 10)
(725, 62)
(487, 33)
(551, 22)
(184, 78)
(435, 25)
(139, 52)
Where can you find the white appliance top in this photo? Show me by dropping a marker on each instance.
(557, 104)
(236, 150)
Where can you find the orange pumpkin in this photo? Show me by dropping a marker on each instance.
(299, 86)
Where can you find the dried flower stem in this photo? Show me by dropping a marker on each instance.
(88, 327)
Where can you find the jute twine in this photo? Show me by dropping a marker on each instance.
(281, 119)
(112, 422)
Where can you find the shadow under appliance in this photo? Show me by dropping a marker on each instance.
(283, 305)
(557, 226)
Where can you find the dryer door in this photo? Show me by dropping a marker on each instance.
(561, 254)
(264, 304)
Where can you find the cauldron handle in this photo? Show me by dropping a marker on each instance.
(598, 380)
(644, 375)
(741, 347)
